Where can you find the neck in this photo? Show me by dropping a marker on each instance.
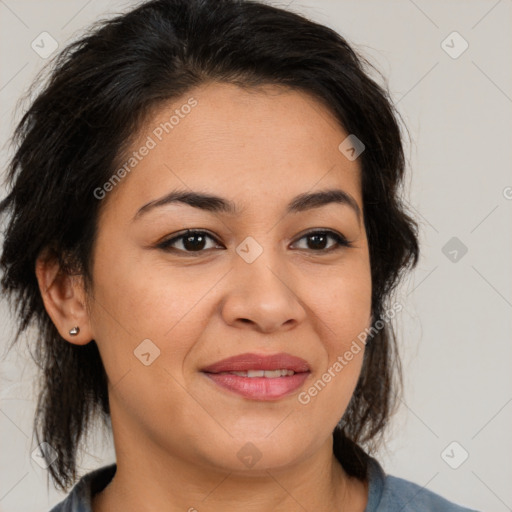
(148, 479)
(325, 488)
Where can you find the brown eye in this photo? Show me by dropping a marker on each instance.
(317, 241)
(190, 241)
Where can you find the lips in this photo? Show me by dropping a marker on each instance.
(259, 377)
(246, 362)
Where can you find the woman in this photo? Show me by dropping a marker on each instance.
(205, 224)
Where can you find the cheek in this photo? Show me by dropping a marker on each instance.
(343, 310)
(147, 296)
(343, 304)
(153, 301)
(342, 307)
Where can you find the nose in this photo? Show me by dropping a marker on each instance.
(261, 295)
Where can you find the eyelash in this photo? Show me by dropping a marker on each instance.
(341, 241)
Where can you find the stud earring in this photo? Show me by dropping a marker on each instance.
(74, 331)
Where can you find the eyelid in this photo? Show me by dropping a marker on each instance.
(340, 239)
(166, 242)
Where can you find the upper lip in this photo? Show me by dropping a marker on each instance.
(248, 361)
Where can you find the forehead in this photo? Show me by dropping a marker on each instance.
(241, 143)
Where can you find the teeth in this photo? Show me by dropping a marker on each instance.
(269, 374)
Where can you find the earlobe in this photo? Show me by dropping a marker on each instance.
(64, 300)
(75, 331)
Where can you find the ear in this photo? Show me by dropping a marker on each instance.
(64, 299)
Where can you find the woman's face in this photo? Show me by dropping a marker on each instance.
(252, 282)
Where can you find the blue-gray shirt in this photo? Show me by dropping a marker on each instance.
(385, 493)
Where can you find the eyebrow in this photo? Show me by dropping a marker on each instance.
(216, 204)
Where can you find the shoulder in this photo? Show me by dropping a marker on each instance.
(410, 497)
(390, 493)
(80, 497)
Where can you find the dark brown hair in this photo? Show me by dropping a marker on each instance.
(101, 88)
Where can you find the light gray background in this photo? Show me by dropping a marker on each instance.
(455, 329)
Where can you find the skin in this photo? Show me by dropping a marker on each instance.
(176, 433)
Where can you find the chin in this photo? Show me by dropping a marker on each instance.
(255, 453)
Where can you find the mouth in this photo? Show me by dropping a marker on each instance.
(268, 374)
(259, 377)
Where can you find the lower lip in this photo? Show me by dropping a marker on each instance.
(259, 388)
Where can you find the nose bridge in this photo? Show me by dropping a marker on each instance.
(261, 291)
(257, 265)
